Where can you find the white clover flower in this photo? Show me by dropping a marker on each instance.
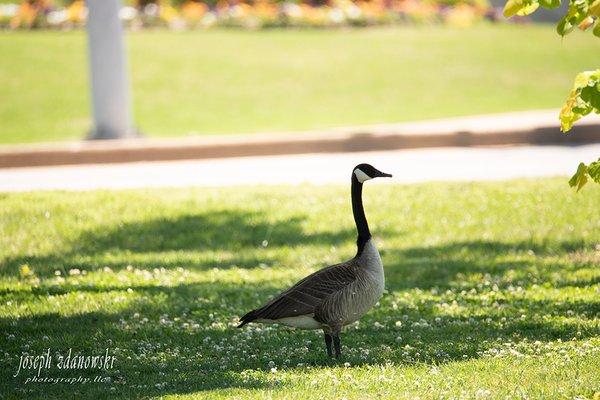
(482, 393)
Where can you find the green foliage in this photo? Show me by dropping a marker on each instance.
(583, 99)
(585, 173)
(578, 12)
(494, 299)
(581, 13)
(520, 7)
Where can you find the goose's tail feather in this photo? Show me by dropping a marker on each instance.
(247, 318)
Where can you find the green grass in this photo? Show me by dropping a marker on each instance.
(492, 291)
(221, 82)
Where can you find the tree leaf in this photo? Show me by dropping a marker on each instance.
(551, 3)
(520, 7)
(511, 8)
(582, 80)
(594, 8)
(591, 95)
(593, 171)
(528, 9)
(580, 178)
(586, 23)
(567, 116)
(582, 100)
(564, 27)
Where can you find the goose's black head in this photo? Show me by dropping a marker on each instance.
(364, 172)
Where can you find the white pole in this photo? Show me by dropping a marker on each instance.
(111, 101)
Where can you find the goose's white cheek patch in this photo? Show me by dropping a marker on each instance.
(361, 176)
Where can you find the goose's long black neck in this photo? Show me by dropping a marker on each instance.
(359, 216)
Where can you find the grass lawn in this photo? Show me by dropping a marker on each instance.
(220, 81)
(492, 291)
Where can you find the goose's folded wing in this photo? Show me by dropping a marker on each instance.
(306, 295)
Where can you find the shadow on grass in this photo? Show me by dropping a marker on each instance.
(212, 356)
(232, 231)
(224, 230)
(469, 264)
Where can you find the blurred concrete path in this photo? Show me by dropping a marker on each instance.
(523, 128)
(452, 163)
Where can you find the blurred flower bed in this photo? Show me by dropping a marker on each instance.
(252, 14)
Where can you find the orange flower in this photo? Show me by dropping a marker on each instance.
(76, 12)
(461, 16)
(193, 11)
(25, 16)
(266, 9)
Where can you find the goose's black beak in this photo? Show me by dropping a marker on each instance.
(382, 175)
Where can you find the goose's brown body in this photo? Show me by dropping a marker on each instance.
(330, 298)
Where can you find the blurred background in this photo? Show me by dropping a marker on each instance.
(208, 70)
(253, 114)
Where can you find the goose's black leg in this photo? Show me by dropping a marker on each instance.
(336, 344)
(328, 344)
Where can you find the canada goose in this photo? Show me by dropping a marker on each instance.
(338, 295)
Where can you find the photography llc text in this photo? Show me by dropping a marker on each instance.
(64, 362)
